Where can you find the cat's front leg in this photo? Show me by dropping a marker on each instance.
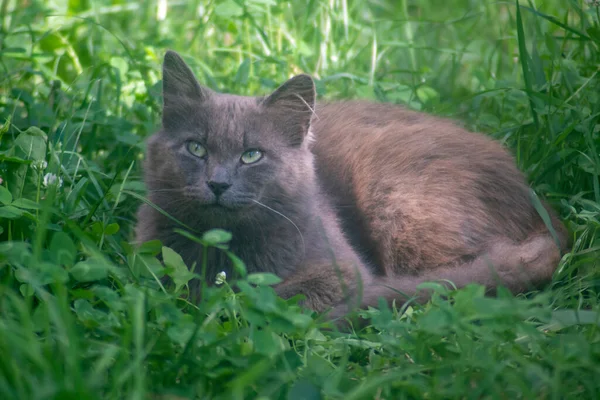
(325, 285)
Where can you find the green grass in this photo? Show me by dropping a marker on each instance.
(82, 315)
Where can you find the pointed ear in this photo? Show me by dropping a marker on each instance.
(293, 104)
(181, 91)
(179, 80)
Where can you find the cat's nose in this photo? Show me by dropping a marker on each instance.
(218, 188)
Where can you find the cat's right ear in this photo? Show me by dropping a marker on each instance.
(294, 103)
(179, 80)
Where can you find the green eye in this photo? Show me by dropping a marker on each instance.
(196, 149)
(251, 156)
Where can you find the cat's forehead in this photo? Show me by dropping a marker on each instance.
(225, 123)
(232, 120)
(233, 103)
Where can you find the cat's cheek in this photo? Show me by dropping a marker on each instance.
(193, 174)
(256, 181)
(256, 173)
(296, 172)
(198, 195)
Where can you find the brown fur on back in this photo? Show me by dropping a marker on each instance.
(415, 191)
(347, 195)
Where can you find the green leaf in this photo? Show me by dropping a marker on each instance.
(152, 247)
(26, 290)
(92, 269)
(594, 33)
(238, 265)
(566, 318)
(41, 273)
(305, 390)
(15, 252)
(539, 207)
(216, 237)
(5, 196)
(146, 265)
(264, 279)
(251, 374)
(435, 322)
(63, 249)
(75, 195)
(16, 160)
(94, 317)
(97, 228)
(111, 229)
(268, 343)
(299, 320)
(32, 144)
(26, 204)
(182, 332)
(433, 286)
(241, 77)
(10, 212)
(181, 275)
(525, 60)
(427, 94)
(4, 129)
(229, 9)
(108, 296)
(121, 65)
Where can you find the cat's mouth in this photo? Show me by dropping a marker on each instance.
(229, 204)
(219, 207)
(217, 204)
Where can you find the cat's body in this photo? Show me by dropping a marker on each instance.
(414, 191)
(378, 196)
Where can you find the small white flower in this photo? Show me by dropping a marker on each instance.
(39, 165)
(221, 278)
(201, 10)
(52, 179)
(161, 10)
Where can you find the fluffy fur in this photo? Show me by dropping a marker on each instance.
(350, 201)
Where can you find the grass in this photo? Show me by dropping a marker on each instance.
(82, 315)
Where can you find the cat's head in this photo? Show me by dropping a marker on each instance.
(221, 154)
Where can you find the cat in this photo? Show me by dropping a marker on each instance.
(346, 202)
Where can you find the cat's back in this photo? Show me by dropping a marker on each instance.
(378, 135)
(429, 187)
(359, 143)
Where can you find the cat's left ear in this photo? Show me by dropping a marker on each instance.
(293, 104)
(181, 91)
(179, 80)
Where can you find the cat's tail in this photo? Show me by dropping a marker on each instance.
(520, 267)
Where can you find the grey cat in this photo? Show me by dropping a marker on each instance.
(346, 202)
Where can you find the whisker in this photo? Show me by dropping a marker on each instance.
(280, 196)
(177, 202)
(290, 221)
(165, 190)
(312, 110)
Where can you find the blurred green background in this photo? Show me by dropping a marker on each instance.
(82, 314)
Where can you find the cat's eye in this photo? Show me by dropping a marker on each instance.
(196, 149)
(251, 156)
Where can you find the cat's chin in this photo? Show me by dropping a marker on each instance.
(217, 207)
(228, 206)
